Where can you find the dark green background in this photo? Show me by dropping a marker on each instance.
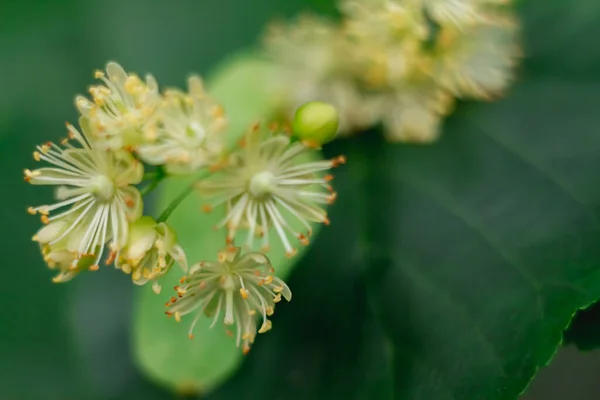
(72, 341)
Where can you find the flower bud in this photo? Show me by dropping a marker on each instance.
(316, 123)
(150, 252)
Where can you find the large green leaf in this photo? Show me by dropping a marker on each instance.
(162, 347)
(450, 271)
(476, 252)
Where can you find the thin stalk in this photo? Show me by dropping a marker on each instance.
(182, 196)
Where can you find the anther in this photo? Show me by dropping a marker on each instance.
(291, 253)
(331, 198)
(111, 257)
(338, 161)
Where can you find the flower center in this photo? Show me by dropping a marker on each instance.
(194, 134)
(262, 184)
(103, 187)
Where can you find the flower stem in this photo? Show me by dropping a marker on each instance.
(155, 177)
(182, 196)
(151, 186)
(150, 175)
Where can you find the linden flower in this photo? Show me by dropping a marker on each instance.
(269, 183)
(414, 109)
(123, 111)
(188, 136)
(385, 20)
(478, 62)
(57, 255)
(96, 199)
(237, 287)
(415, 114)
(310, 62)
(463, 13)
(150, 252)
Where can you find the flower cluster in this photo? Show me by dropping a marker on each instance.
(131, 136)
(401, 63)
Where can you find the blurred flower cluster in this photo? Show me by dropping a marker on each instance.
(130, 138)
(399, 63)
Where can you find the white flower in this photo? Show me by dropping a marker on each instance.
(188, 136)
(463, 13)
(94, 195)
(311, 63)
(239, 288)
(57, 255)
(150, 252)
(270, 183)
(413, 111)
(478, 62)
(384, 21)
(123, 113)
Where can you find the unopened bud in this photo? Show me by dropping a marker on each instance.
(316, 123)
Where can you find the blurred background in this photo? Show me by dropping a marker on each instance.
(72, 341)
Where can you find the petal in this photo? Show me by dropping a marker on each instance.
(116, 73)
(133, 201)
(50, 232)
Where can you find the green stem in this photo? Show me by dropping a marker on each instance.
(151, 186)
(155, 177)
(150, 175)
(182, 196)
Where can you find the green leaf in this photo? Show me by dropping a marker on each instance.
(450, 271)
(559, 38)
(162, 348)
(584, 331)
(475, 252)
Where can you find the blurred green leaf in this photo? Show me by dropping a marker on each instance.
(162, 347)
(476, 253)
(560, 38)
(450, 271)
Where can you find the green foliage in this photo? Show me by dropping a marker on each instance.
(449, 271)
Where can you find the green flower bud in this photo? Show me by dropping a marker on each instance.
(316, 123)
(150, 252)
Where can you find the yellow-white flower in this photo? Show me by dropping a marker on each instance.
(150, 252)
(413, 111)
(477, 62)
(95, 199)
(237, 288)
(124, 110)
(463, 13)
(458, 48)
(188, 136)
(58, 256)
(309, 64)
(271, 183)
